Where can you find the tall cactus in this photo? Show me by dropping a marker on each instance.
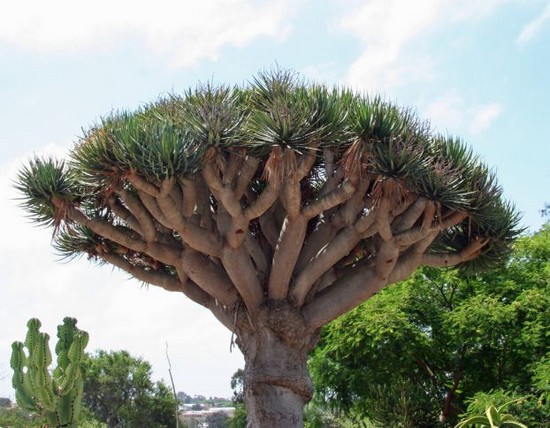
(56, 396)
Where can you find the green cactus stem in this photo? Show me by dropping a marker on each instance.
(57, 395)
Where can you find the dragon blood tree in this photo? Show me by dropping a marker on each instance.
(278, 206)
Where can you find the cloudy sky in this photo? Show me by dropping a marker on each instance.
(476, 69)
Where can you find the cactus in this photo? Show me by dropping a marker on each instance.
(57, 395)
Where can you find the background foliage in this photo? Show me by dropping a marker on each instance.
(440, 344)
(119, 391)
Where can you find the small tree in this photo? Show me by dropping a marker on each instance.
(278, 206)
(119, 390)
(237, 385)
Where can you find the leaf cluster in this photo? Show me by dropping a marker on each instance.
(174, 137)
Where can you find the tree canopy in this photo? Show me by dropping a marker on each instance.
(221, 168)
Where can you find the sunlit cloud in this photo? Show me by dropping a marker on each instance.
(183, 32)
(534, 27)
(446, 113)
(385, 28)
(484, 116)
(453, 112)
(391, 33)
(323, 72)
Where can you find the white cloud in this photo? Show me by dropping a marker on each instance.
(453, 113)
(323, 72)
(446, 113)
(391, 33)
(484, 116)
(183, 31)
(532, 28)
(462, 10)
(384, 28)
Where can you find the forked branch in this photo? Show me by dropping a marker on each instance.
(469, 253)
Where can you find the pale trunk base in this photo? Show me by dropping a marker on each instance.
(271, 406)
(277, 384)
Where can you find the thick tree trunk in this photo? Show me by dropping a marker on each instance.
(277, 385)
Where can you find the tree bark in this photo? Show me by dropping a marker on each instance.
(277, 385)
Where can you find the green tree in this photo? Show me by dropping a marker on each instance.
(239, 417)
(439, 338)
(119, 391)
(237, 385)
(183, 398)
(278, 206)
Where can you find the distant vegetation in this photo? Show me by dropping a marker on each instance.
(202, 402)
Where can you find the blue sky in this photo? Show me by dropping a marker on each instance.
(477, 70)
